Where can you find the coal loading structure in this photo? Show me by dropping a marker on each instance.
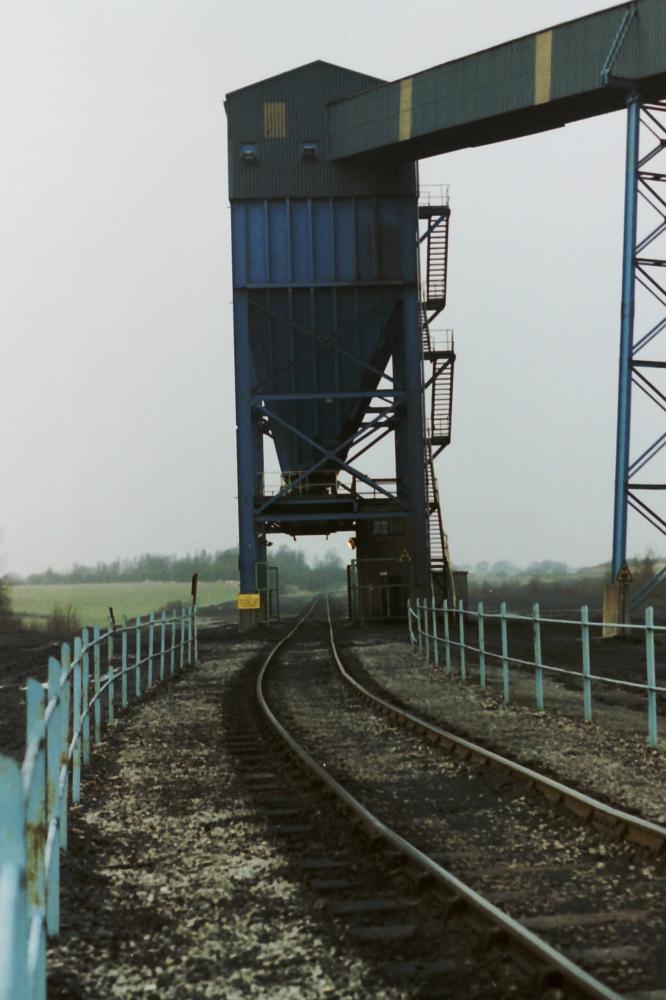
(329, 332)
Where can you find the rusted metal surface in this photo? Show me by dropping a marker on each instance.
(34, 798)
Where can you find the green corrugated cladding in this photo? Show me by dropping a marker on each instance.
(278, 116)
(527, 85)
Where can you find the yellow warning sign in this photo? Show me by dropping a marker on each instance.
(405, 557)
(248, 602)
(624, 576)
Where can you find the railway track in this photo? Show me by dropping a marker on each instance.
(562, 891)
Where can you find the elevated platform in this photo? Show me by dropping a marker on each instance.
(325, 515)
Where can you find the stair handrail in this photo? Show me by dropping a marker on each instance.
(427, 194)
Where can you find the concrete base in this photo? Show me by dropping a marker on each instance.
(461, 586)
(616, 610)
(248, 619)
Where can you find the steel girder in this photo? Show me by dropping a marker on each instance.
(643, 271)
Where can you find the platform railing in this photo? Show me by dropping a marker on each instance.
(86, 687)
(297, 483)
(440, 632)
(441, 341)
(434, 194)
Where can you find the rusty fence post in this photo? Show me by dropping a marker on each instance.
(110, 688)
(651, 678)
(13, 901)
(162, 643)
(587, 682)
(97, 674)
(193, 624)
(34, 788)
(419, 632)
(76, 721)
(505, 653)
(426, 633)
(112, 628)
(482, 647)
(447, 637)
(151, 647)
(461, 636)
(172, 659)
(35, 795)
(123, 664)
(538, 662)
(65, 720)
(435, 637)
(52, 851)
(137, 657)
(85, 694)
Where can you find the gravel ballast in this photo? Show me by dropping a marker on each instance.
(171, 886)
(607, 757)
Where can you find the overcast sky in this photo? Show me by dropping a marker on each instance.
(116, 394)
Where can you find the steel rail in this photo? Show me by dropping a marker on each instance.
(506, 932)
(635, 828)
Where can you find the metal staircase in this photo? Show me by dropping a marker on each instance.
(441, 577)
(438, 368)
(436, 236)
(439, 354)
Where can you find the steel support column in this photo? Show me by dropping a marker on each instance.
(626, 336)
(644, 264)
(245, 445)
(414, 442)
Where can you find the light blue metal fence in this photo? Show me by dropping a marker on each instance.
(85, 688)
(438, 632)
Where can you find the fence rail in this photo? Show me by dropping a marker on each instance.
(439, 632)
(84, 690)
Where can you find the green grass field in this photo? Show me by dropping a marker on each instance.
(91, 601)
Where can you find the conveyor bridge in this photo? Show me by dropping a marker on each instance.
(334, 337)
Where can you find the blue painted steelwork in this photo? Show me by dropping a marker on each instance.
(649, 587)
(626, 338)
(323, 279)
(245, 445)
(646, 127)
(615, 49)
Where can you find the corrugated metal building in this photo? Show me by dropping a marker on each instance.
(325, 298)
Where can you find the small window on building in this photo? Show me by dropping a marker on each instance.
(275, 120)
(248, 153)
(394, 526)
(310, 150)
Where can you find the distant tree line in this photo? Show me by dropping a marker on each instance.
(7, 618)
(294, 570)
(505, 569)
(555, 585)
(521, 593)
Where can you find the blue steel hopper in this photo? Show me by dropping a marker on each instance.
(322, 324)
